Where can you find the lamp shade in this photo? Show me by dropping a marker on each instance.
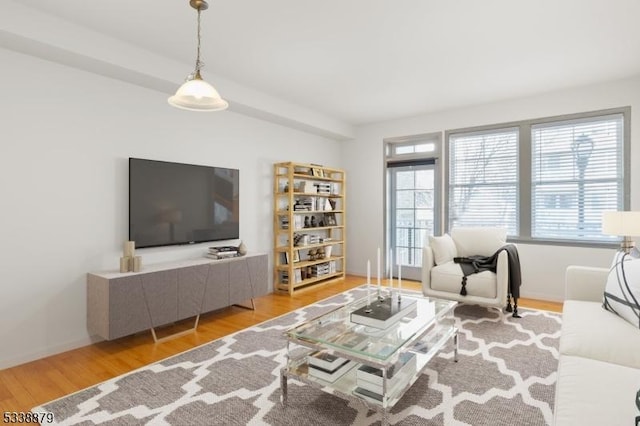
(621, 223)
(198, 95)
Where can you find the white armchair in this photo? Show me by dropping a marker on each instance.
(442, 277)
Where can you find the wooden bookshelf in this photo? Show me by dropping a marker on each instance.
(308, 220)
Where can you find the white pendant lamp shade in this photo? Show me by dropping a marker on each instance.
(198, 95)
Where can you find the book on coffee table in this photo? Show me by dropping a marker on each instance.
(331, 375)
(383, 314)
(370, 378)
(325, 360)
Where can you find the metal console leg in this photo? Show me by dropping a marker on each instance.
(174, 335)
(252, 307)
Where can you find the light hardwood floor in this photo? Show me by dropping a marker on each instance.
(28, 385)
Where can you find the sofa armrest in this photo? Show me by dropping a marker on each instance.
(585, 283)
(502, 276)
(427, 264)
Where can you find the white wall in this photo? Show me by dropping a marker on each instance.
(65, 139)
(542, 266)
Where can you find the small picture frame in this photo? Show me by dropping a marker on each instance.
(296, 257)
(330, 219)
(317, 172)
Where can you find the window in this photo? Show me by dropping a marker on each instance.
(579, 164)
(483, 179)
(544, 180)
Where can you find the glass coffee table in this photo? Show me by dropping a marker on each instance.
(370, 364)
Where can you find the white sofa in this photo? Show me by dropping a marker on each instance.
(443, 280)
(599, 367)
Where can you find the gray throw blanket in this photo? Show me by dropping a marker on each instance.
(474, 264)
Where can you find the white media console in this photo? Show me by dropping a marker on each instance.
(120, 304)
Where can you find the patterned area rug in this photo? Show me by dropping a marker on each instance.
(505, 376)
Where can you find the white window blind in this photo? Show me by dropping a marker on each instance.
(577, 173)
(483, 179)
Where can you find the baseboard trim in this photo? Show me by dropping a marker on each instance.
(46, 352)
(541, 296)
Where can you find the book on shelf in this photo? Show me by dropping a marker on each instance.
(385, 313)
(297, 274)
(370, 378)
(284, 222)
(325, 360)
(331, 375)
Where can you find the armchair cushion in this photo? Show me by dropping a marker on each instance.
(447, 277)
(444, 249)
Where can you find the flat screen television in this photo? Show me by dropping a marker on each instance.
(174, 203)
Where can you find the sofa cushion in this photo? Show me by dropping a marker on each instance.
(590, 392)
(444, 249)
(448, 277)
(622, 292)
(481, 241)
(592, 332)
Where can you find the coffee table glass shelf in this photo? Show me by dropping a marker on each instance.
(417, 337)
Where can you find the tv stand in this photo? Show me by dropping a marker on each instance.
(120, 304)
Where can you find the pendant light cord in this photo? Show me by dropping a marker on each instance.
(199, 64)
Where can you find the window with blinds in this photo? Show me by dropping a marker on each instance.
(483, 179)
(576, 174)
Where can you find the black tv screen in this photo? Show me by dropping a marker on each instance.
(173, 203)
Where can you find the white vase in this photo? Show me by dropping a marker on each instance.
(327, 252)
(242, 249)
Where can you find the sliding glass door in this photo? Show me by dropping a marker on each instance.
(412, 210)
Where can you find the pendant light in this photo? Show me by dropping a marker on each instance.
(196, 94)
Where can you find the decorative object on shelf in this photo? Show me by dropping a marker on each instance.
(312, 254)
(242, 249)
(306, 222)
(327, 252)
(313, 222)
(196, 94)
(129, 262)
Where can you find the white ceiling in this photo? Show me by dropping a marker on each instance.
(363, 61)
